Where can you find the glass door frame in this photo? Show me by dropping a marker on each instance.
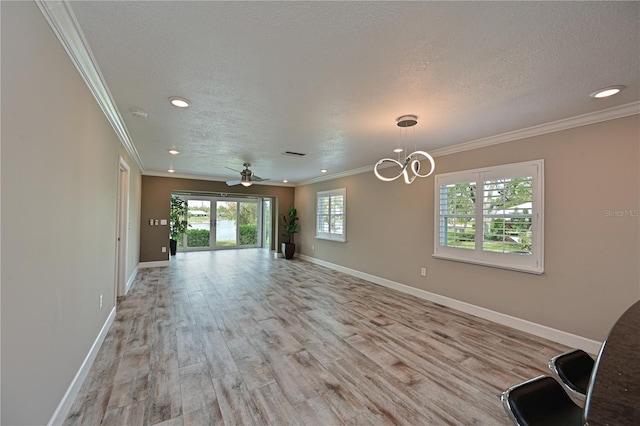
(213, 199)
(267, 222)
(184, 246)
(238, 200)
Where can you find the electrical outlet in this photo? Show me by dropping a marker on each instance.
(423, 271)
(313, 247)
(100, 301)
(164, 249)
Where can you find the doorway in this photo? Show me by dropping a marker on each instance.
(122, 228)
(216, 223)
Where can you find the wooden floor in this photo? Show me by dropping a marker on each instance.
(238, 337)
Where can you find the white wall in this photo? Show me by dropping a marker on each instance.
(59, 187)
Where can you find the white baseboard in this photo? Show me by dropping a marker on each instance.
(130, 281)
(568, 339)
(156, 264)
(65, 405)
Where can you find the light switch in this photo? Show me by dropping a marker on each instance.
(157, 222)
(163, 221)
(151, 222)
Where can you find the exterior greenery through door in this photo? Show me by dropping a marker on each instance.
(236, 223)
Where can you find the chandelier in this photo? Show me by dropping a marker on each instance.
(410, 169)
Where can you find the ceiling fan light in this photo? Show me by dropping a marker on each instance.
(245, 180)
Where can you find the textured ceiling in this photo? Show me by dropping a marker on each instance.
(329, 79)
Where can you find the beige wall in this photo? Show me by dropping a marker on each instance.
(156, 195)
(591, 259)
(59, 185)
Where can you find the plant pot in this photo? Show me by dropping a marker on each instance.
(173, 246)
(288, 249)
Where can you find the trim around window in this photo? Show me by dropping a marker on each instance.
(331, 215)
(492, 216)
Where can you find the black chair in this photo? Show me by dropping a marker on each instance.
(573, 370)
(541, 401)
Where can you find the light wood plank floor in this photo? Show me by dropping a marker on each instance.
(238, 337)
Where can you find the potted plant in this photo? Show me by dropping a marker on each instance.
(177, 222)
(289, 223)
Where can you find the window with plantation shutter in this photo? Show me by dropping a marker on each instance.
(507, 216)
(458, 215)
(331, 215)
(492, 216)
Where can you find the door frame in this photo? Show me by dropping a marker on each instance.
(214, 235)
(213, 199)
(122, 228)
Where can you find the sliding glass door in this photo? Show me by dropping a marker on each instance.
(238, 223)
(226, 224)
(199, 223)
(266, 223)
(249, 223)
(222, 222)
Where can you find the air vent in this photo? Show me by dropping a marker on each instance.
(294, 154)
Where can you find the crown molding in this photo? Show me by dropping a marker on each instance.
(554, 126)
(268, 183)
(333, 176)
(183, 176)
(63, 22)
(209, 178)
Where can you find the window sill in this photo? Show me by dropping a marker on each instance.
(482, 262)
(337, 240)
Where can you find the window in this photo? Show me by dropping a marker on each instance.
(492, 216)
(331, 215)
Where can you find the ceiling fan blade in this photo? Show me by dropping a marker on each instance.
(232, 169)
(258, 178)
(233, 182)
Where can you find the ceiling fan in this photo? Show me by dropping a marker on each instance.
(246, 176)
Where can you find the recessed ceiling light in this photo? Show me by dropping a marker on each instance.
(323, 170)
(285, 180)
(179, 102)
(398, 150)
(606, 92)
(171, 171)
(173, 151)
